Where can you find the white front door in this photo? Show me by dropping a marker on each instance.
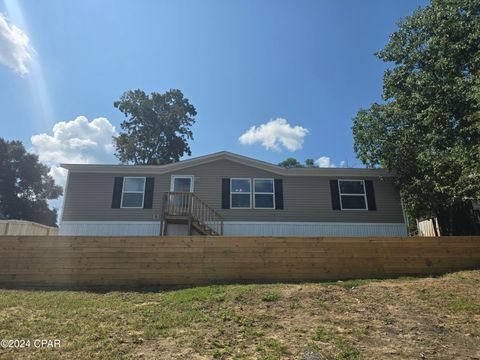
(181, 183)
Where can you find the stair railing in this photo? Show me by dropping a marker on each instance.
(189, 204)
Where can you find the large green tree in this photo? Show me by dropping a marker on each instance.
(25, 185)
(428, 127)
(157, 127)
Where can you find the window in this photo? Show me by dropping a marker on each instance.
(352, 194)
(264, 194)
(240, 192)
(133, 192)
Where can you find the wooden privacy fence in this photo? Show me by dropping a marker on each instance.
(22, 227)
(116, 261)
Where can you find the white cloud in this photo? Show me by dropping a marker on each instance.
(324, 162)
(59, 175)
(275, 133)
(77, 141)
(15, 48)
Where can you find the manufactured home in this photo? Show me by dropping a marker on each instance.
(229, 194)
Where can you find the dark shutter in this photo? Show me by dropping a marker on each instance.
(148, 197)
(225, 193)
(278, 194)
(370, 195)
(335, 195)
(117, 192)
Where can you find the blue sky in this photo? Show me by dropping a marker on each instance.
(241, 64)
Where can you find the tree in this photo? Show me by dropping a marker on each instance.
(157, 127)
(309, 163)
(428, 128)
(25, 185)
(290, 163)
(294, 163)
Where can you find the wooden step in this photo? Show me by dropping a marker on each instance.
(203, 228)
(176, 219)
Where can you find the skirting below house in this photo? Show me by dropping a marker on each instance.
(110, 228)
(313, 229)
(235, 228)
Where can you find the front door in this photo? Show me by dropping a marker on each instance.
(181, 185)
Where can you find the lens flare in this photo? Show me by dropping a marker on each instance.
(40, 99)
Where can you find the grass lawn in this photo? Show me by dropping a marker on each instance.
(421, 318)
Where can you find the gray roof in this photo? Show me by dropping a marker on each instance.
(225, 155)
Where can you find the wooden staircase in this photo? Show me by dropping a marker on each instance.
(188, 208)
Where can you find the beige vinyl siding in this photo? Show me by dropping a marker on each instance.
(89, 198)
(306, 198)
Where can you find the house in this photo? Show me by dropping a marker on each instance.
(229, 194)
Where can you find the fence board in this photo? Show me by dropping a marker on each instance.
(118, 261)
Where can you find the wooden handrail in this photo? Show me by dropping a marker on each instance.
(176, 203)
(213, 210)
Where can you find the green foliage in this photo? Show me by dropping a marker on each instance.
(157, 127)
(350, 284)
(271, 349)
(200, 293)
(344, 349)
(270, 296)
(322, 334)
(428, 129)
(347, 351)
(290, 163)
(467, 305)
(25, 185)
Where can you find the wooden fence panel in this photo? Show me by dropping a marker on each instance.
(22, 227)
(132, 261)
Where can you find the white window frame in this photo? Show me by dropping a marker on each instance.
(133, 192)
(364, 194)
(264, 193)
(232, 193)
(173, 177)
